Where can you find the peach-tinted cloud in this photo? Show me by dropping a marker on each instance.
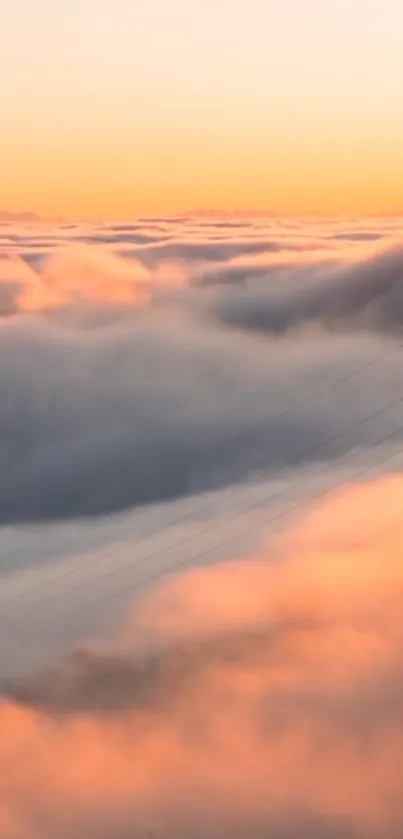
(75, 274)
(82, 273)
(267, 700)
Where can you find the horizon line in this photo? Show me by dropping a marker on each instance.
(33, 216)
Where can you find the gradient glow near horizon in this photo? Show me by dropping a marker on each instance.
(121, 107)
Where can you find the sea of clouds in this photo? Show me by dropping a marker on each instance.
(223, 398)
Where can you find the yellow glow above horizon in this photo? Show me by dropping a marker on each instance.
(120, 109)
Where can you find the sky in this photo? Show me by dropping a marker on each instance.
(117, 109)
(201, 419)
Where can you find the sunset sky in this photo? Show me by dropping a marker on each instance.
(120, 108)
(201, 419)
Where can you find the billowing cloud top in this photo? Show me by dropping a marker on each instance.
(145, 361)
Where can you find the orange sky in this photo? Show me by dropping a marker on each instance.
(127, 109)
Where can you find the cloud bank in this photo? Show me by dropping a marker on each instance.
(138, 375)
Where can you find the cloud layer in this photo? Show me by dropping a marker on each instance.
(150, 362)
(132, 379)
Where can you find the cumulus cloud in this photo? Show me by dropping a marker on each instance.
(124, 384)
(364, 293)
(258, 699)
(159, 405)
